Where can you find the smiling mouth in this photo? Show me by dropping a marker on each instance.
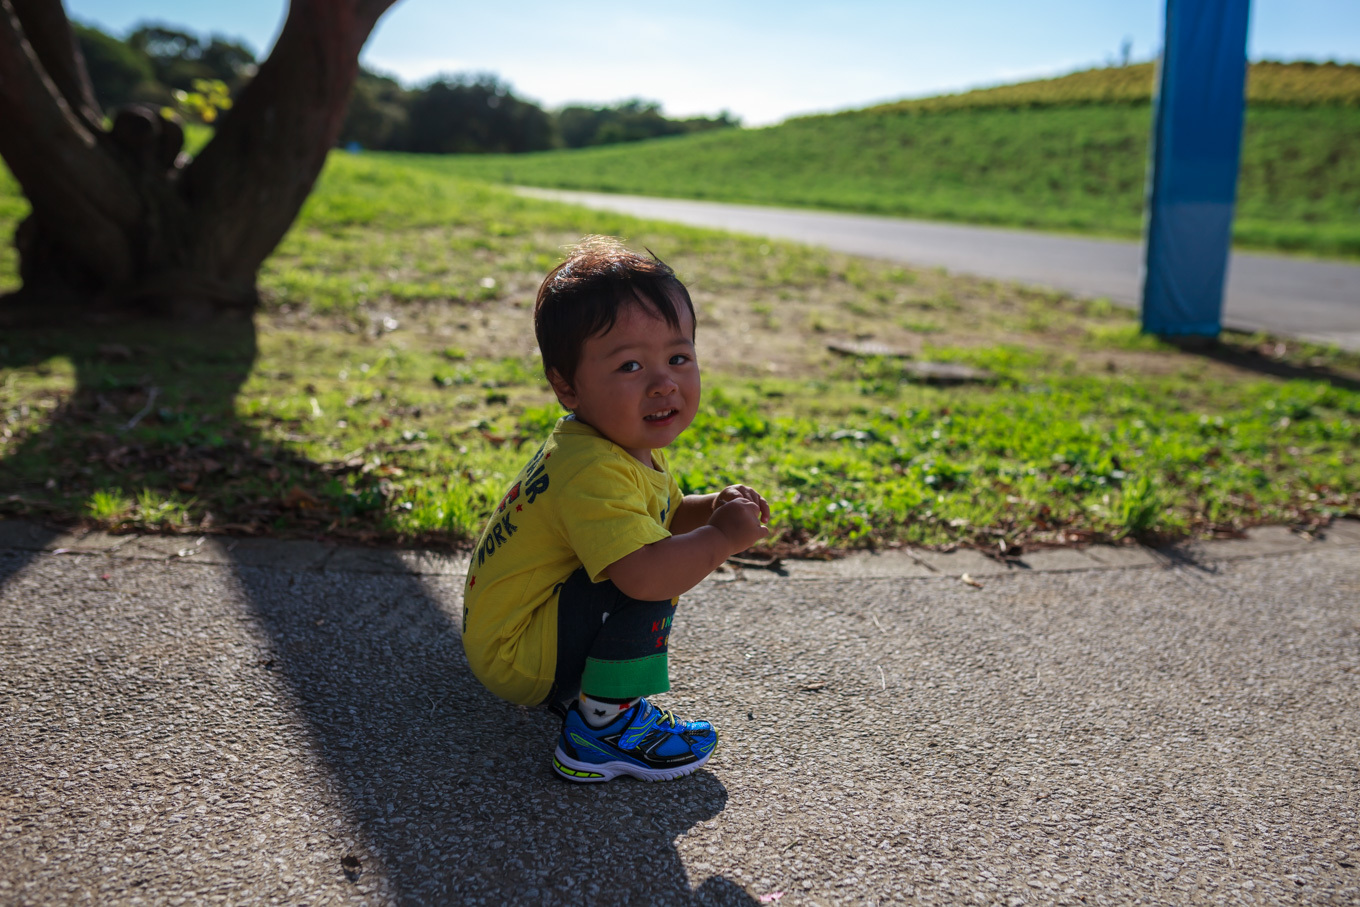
(661, 416)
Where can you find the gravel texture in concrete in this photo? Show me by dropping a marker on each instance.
(192, 728)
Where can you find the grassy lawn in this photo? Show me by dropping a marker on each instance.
(392, 388)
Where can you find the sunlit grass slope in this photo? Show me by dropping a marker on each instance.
(1268, 84)
(1066, 154)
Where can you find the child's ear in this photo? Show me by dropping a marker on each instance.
(565, 395)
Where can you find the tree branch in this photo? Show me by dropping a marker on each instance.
(369, 12)
(49, 33)
(276, 137)
(78, 192)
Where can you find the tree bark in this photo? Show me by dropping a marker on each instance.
(83, 204)
(54, 44)
(249, 183)
(118, 218)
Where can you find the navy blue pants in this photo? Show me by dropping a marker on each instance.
(610, 646)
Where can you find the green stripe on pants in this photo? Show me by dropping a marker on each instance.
(626, 679)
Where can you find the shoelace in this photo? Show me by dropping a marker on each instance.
(666, 716)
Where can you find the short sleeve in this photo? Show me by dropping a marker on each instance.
(606, 516)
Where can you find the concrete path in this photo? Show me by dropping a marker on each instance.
(1291, 297)
(208, 721)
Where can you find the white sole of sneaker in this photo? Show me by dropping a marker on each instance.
(593, 773)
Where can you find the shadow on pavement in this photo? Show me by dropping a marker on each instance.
(23, 549)
(451, 787)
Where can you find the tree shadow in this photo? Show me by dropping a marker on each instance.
(151, 415)
(450, 788)
(147, 430)
(146, 406)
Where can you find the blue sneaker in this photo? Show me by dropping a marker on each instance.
(645, 742)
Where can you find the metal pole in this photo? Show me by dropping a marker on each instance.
(1192, 179)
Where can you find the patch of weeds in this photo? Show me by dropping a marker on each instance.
(901, 276)
(819, 323)
(919, 326)
(1100, 307)
(1140, 506)
(943, 301)
(109, 507)
(864, 306)
(155, 508)
(1124, 337)
(455, 510)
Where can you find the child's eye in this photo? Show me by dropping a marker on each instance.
(679, 359)
(630, 366)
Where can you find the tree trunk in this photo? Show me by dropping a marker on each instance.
(121, 219)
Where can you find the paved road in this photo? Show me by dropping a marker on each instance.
(186, 722)
(1286, 296)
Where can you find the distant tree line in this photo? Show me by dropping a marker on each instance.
(155, 60)
(452, 114)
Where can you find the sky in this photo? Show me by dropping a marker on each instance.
(760, 60)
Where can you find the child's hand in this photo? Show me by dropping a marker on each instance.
(743, 493)
(739, 520)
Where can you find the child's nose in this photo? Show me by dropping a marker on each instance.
(664, 384)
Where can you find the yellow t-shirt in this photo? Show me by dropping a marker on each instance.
(581, 501)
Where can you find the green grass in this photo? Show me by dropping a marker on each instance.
(340, 436)
(13, 208)
(1073, 168)
(393, 390)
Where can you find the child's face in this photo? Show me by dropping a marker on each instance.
(638, 383)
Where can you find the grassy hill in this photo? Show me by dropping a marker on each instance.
(1066, 154)
(1268, 84)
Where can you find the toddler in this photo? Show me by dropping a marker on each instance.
(574, 582)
